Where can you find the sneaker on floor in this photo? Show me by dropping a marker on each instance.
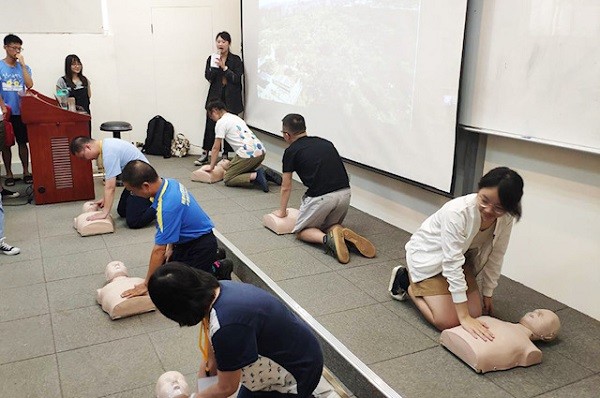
(362, 244)
(336, 246)
(261, 180)
(399, 283)
(202, 159)
(223, 269)
(9, 194)
(8, 249)
(273, 176)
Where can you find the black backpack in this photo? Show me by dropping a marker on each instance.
(158, 137)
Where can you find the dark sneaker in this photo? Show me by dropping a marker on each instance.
(336, 246)
(221, 254)
(9, 194)
(273, 176)
(399, 283)
(8, 249)
(202, 159)
(223, 269)
(362, 244)
(261, 180)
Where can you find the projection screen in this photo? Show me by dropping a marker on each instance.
(379, 78)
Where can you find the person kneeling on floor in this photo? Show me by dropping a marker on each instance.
(326, 202)
(113, 154)
(184, 232)
(244, 169)
(248, 336)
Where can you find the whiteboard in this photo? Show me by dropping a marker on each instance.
(531, 70)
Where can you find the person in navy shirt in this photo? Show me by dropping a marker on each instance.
(183, 230)
(248, 336)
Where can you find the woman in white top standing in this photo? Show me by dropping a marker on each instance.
(465, 239)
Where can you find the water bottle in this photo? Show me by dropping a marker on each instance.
(62, 94)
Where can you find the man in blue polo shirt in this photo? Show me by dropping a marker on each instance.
(183, 229)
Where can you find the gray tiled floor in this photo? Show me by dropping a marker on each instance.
(57, 342)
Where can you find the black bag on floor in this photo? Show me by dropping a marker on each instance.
(158, 137)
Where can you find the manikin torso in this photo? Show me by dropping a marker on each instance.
(512, 345)
(96, 227)
(109, 297)
(216, 175)
(281, 225)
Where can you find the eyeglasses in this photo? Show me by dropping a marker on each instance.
(485, 204)
(19, 49)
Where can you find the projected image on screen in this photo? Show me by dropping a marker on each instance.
(338, 33)
(378, 78)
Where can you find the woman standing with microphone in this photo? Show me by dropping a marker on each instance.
(224, 71)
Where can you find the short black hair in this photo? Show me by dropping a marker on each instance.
(10, 38)
(510, 188)
(137, 172)
(215, 103)
(182, 293)
(78, 143)
(294, 123)
(224, 35)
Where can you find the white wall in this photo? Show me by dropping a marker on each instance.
(119, 64)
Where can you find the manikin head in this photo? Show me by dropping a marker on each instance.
(115, 269)
(171, 385)
(544, 324)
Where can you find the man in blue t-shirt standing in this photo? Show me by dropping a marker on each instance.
(15, 78)
(327, 199)
(183, 230)
(113, 154)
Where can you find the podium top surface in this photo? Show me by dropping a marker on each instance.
(38, 108)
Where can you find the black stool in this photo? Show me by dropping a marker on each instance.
(116, 128)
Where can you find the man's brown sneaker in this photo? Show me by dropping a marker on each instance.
(335, 245)
(363, 245)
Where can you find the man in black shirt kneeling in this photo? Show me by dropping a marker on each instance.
(326, 201)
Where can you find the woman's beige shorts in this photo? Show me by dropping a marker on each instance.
(438, 285)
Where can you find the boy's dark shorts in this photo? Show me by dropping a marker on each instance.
(20, 129)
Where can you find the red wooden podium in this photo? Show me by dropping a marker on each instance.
(58, 176)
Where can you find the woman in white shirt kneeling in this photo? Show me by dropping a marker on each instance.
(464, 240)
